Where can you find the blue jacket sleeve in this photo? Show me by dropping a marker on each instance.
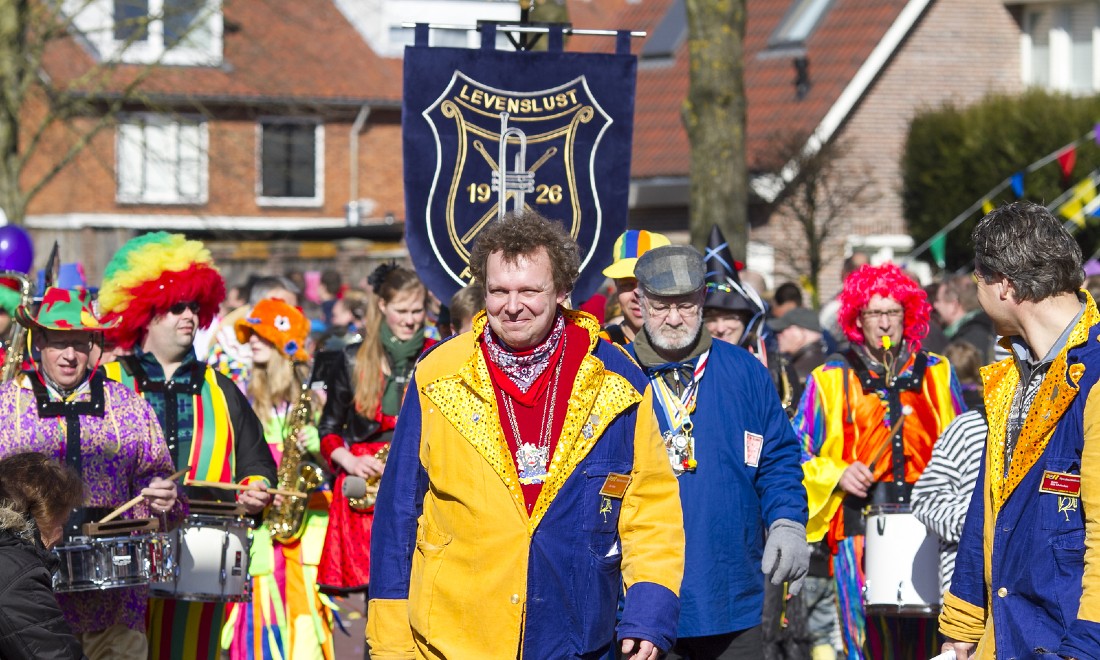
(779, 475)
(400, 500)
(964, 605)
(968, 580)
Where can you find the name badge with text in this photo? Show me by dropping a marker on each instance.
(1060, 483)
(615, 485)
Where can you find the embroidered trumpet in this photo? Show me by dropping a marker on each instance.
(15, 339)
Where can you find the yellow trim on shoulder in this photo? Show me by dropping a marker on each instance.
(1056, 394)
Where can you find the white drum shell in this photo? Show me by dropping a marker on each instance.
(901, 564)
(209, 561)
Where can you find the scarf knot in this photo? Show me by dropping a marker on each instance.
(524, 367)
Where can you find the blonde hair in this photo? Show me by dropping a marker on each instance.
(271, 384)
(370, 360)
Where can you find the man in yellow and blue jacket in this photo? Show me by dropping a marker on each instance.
(1026, 577)
(526, 479)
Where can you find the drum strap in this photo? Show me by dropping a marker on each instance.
(71, 411)
(872, 383)
(170, 390)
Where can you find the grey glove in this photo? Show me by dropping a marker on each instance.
(786, 554)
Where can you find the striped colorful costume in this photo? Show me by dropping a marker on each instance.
(288, 616)
(208, 425)
(843, 418)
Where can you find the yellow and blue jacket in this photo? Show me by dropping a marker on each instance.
(1027, 576)
(458, 567)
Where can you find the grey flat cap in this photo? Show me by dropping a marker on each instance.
(800, 316)
(671, 270)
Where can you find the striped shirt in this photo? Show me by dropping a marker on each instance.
(942, 494)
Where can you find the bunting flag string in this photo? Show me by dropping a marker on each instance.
(1066, 156)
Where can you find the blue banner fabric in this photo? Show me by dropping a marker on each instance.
(567, 119)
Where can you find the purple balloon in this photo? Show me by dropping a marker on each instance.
(16, 249)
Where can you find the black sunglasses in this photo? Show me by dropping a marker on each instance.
(178, 308)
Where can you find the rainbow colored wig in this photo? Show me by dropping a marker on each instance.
(151, 273)
(887, 281)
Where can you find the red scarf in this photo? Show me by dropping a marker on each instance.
(529, 406)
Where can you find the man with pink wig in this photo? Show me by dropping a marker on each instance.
(867, 421)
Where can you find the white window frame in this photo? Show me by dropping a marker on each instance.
(146, 119)
(806, 14)
(95, 20)
(1059, 48)
(318, 198)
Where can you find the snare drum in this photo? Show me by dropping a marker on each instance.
(89, 564)
(208, 561)
(901, 562)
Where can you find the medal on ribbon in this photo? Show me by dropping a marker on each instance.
(678, 439)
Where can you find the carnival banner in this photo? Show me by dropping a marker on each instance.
(487, 132)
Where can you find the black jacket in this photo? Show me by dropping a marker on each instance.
(339, 417)
(31, 623)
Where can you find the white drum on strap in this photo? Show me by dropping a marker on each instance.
(901, 563)
(209, 561)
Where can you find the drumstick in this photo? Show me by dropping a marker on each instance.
(889, 443)
(229, 486)
(134, 502)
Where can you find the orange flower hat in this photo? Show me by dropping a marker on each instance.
(279, 323)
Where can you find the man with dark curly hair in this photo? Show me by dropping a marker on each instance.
(526, 481)
(1025, 582)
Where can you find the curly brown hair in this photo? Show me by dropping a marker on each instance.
(39, 487)
(523, 234)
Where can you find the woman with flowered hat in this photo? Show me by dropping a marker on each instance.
(288, 616)
(159, 289)
(62, 407)
(361, 412)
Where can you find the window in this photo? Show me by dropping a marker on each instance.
(291, 157)
(1060, 46)
(802, 17)
(161, 160)
(172, 32)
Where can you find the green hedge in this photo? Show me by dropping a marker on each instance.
(955, 155)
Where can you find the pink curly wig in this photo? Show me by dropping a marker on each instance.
(887, 281)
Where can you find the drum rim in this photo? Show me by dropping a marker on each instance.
(198, 596)
(114, 583)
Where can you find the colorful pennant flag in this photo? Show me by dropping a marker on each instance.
(1074, 208)
(987, 207)
(1018, 185)
(1066, 160)
(938, 248)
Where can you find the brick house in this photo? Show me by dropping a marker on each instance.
(848, 70)
(271, 131)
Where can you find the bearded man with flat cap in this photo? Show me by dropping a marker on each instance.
(735, 455)
(526, 481)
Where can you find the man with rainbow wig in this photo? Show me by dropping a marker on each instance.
(158, 290)
(867, 421)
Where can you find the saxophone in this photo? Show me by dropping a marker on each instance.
(365, 502)
(285, 520)
(16, 338)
